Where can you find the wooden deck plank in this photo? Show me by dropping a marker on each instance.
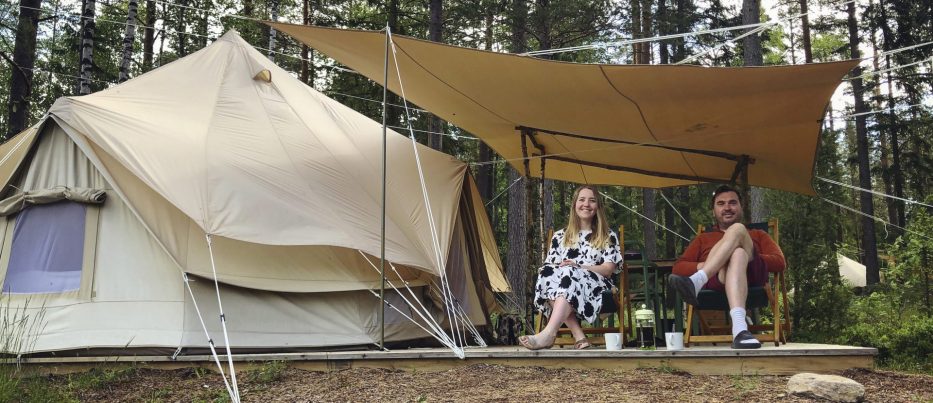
(711, 360)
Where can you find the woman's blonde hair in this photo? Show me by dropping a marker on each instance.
(600, 226)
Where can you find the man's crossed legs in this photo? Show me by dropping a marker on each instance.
(728, 265)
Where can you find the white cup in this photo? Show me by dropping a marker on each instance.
(675, 340)
(613, 341)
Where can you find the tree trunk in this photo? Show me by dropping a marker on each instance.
(149, 35)
(517, 266)
(651, 235)
(435, 33)
(869, 243)
(884, 146)
(275, 17)
(670, 220)
(664, 56)
(645, 48)
(24, 58)
(755, 209)
(805, 25)
(306, 64)
(182, 38)
(87, 47)
(680, 50)
(898, 218)
(751, 10)
(636, 30)
(516, 257)
(484, 173)
(129, 38)
(203, 23)
(162, 35)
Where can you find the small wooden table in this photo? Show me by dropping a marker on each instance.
(654, 292)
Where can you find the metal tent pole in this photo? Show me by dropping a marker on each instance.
(382, 246)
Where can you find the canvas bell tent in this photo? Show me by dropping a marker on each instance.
(120, 206)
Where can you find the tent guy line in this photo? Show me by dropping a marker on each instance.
(873, 192)
(223, 320)
(442, 271)
(212, 38)
(886, 223)
(678, 212)
(210, 340)
(436, 330)
(646, 217)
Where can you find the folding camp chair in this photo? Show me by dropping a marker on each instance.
(611, 306)
(713, 304)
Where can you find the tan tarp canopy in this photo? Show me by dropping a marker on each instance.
(648, 126)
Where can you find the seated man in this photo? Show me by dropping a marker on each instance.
(730, 258)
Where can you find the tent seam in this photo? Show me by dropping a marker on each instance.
(643, 118)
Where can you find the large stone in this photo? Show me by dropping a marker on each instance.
(830, 387)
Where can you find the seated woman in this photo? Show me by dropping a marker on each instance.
(579, 263)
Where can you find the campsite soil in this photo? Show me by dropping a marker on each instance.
(479, 383)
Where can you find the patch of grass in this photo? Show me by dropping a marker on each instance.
(212, 395)
(745, 384)
(39, 389)
(98, 378)
(20, 326)
(666, 367)
(199, 372)
(157, 395)
(268, 372)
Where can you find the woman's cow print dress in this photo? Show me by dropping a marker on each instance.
(582, 288)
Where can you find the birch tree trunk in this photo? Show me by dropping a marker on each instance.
(275, 17)
(307, 65)
(129, 38)
(87, 47)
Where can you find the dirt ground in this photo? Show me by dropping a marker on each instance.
(477, 383)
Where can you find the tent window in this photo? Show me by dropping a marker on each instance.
(47, 251)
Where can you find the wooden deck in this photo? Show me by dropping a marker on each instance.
(713, 360)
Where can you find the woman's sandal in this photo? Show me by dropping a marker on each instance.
(532, 342)
(582, 344)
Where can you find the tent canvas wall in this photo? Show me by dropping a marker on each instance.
(286, 181)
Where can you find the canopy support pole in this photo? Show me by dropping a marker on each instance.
(708, 153)
(382, 245)
(740, 180)
(529, 228)
(541, 229)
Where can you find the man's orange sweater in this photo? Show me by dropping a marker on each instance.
(698, 251)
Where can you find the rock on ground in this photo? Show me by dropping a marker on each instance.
(830, 387)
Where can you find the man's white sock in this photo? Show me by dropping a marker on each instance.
(739, 324)
(738, 320)
(699, 279)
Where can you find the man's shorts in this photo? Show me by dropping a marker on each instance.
(757, 276)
